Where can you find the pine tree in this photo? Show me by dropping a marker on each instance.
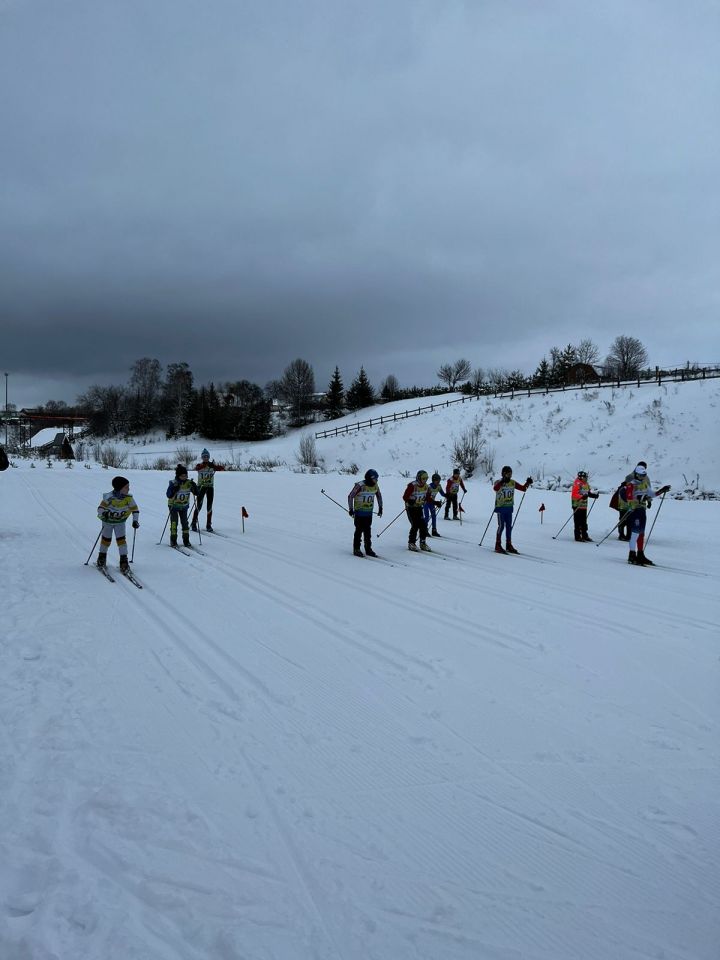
(361, 393)
(335, 398)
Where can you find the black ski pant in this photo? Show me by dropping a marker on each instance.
(203, 492)
(624, 525)
(417, 524)
(580, 523)
(451, 500)
(363, 523)
(181, 514)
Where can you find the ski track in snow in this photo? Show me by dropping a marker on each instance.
(280, 751)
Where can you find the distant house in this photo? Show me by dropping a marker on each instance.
(59, 447)
(581, 373)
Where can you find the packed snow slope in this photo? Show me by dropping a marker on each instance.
(278, 751)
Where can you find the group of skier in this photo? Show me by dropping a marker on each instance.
(118, 505)
(423, 497)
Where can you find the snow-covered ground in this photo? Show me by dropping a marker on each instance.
(278, 751)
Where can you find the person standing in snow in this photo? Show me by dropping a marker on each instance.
(579, 498)
(4, 462)
(114, 509)
(452, 488)
(417, 494)
(430, 507)
(361, 504)
(621, 505)
(178, 497)
(505, 489)
(206, 471)
(637, 493)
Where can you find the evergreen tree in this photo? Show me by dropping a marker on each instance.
(542, 376)
(335, 397)
(361, 393)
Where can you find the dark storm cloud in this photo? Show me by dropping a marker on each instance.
(394, 184)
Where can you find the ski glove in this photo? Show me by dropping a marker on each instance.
(136, 524)
(379, 513)
(104, 516)
(665, 489)
(351, 512)
(528, 482)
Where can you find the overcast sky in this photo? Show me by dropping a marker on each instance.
(397, 183)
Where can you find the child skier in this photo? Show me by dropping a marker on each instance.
(178, 497)
(505, 489)
(452, 488)
(430, 507)
(637, 493)
(361, 503)
(417, 494)
(206, 471)
(579, 498)
(114, 509)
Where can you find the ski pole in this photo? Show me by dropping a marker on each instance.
(164, 529)
(391, 523)
(344, 509)
(512, 526)
(195, 510)
(575, 509)
(93, 548)
(460, 506)
(564, 525)
(622, 519)
(486, 528)
(132, 555)
(662, 501)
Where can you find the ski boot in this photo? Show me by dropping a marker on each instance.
(209, 528)
(587, 539)
(425, 547)
(101, 558)
(193, 526)
(358, 553)
(186, 540)
(644, 561)
(412, 546)
(124, 564)
(173, 541)
(498, 546)
(434, 534)
(633, 558)
(369, 552)
(509, 548)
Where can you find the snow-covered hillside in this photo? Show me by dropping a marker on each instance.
(675, 427)
(278, 751)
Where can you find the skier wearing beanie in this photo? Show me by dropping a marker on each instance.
(206, 471)
(621, 505)
(452, 488)
(578, 499)
(505, 489)
(430, 507)
(114, 509)
(637, 494)
(178, 497)
(361, 503)
(417, 494)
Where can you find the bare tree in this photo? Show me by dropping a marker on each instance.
(297, 387)
(626, 357)
(453, 373)
(497, 378)
(587, 352)
(477, 380)
(390, 387)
